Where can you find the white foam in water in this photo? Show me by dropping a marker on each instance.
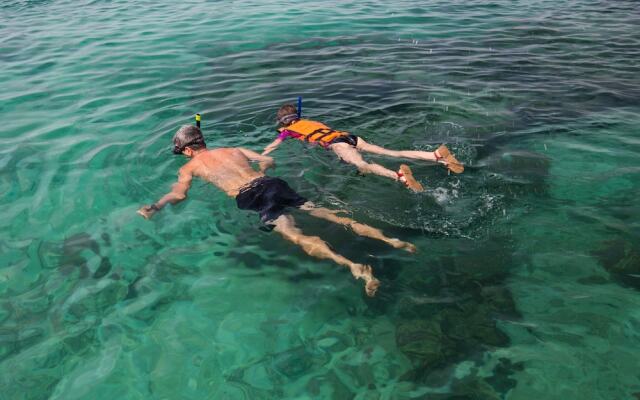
(444, 196)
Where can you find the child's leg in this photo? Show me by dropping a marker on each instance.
(414, 154)
(441, 155)
(351, 155)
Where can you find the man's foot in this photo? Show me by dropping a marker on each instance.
(406, 176)
(399, 244)
(443, 153)
(361, 271)
(371, 287)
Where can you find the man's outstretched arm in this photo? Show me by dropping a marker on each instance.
(177, 194)
(265, 162)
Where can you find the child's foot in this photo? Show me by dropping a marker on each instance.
(443, 154)
(406, 176)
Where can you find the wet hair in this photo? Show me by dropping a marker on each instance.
(287, 114)
(188, 136)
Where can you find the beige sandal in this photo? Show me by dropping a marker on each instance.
(409, 180)
(443, 153)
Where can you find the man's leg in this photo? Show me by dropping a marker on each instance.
(357, 227)
(316, 247)
(351, 155)
(441, 155)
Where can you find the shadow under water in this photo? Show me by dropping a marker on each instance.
(454, 316)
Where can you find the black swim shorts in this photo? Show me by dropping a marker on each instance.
(348, 139)
(269, 197)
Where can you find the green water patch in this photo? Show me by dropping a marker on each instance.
(582, 245)
(430, 327)
(621, 259)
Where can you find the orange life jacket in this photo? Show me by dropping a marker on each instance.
(312, 131)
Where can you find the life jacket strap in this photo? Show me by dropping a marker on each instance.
(323, 133)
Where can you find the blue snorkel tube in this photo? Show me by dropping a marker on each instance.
(299, 107)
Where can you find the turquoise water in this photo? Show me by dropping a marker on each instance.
(526, 284)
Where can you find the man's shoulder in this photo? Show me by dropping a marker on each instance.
(193, 164)
(223, 149)
(187, 168)
(226, 151)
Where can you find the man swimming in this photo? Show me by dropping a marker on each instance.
(230, 171)
(348, 147)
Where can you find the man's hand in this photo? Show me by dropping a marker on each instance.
(148, 211)
(177, 194)
(266, 164)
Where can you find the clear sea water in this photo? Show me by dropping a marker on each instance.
(526, 285)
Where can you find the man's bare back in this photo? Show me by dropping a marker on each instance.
(227, 168)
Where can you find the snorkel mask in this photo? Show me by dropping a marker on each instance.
(178, 149)
(289, 118)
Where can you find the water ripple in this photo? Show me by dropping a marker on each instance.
(523, 92)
